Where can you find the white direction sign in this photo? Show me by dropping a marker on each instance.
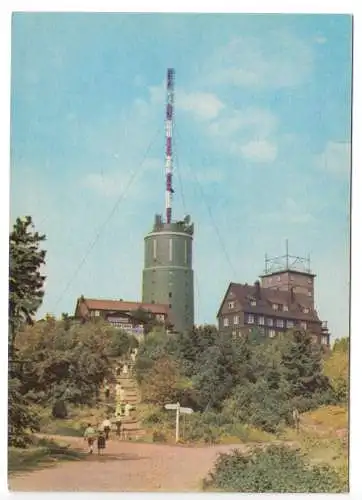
(186, 410)
(179, 409)
(172, 406)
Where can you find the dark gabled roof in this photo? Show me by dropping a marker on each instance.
(123, 306)
(266, 297)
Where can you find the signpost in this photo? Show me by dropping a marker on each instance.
(179, 409)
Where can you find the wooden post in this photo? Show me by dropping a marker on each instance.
(177, 421)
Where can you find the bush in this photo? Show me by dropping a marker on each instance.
(276, 469)
(59, 409)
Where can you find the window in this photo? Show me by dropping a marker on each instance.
(226, 321)
(303, 325)
(250, 319)
(253, 302)
(306, 310)
(290, 323)
(231, 304)
(236, 320)
(275, 307)
(154, 248)
(285, 307)
(271, 333)
(270, 280)
(278, 278)
(314, 339)
(291, 278)
(310, 281)
(309, 294)
(280, 323)
(270, 322)
(96, 313)
(170, 249)
(170, 295)
(262, 330)
(261, 320)
(234, 334)
(170, 306)
(324, 340)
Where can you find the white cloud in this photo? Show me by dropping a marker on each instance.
(336, 158)
(204, 105)
(259, 123)
(259, 151)
(291, 212)
(280, 59)
(321, 40)
(114, 183)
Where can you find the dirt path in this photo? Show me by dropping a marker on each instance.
(126, 467)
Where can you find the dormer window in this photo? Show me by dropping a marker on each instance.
(275, 307)
(231, 304)
(285, 307)
(253, 302)
(306, 310)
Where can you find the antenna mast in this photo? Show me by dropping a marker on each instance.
(169, 128)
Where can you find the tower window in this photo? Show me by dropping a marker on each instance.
(154, 248)
(170, 294)
(170, 306)
(170, 249)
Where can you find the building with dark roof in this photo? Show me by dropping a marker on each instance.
(282, 300)
(120, 313)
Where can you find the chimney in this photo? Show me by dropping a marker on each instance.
(257, 289)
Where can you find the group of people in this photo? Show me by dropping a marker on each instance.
(99, 435)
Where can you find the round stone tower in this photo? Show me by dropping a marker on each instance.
(167, 274)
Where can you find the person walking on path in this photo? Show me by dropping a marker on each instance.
(296, 419)
(90, 436)
(127, 409)
(106, 427)
(101, 441)
(107, 391)
(118, 425)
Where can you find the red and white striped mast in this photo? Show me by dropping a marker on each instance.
(169, 128)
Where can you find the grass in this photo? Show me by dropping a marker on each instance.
(329, 417)
(74, 424)
(42, 453)
(318, 438)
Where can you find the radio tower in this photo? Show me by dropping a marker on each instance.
(169, 129)
(167, 275)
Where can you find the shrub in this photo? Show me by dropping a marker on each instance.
(59, 409)
(276, 469)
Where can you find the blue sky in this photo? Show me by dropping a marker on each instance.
(262, 124)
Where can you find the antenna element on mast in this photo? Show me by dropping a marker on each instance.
(169, 129)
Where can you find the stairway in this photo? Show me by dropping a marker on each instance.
(130, 424)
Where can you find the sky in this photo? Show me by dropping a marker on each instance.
(262, 143)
